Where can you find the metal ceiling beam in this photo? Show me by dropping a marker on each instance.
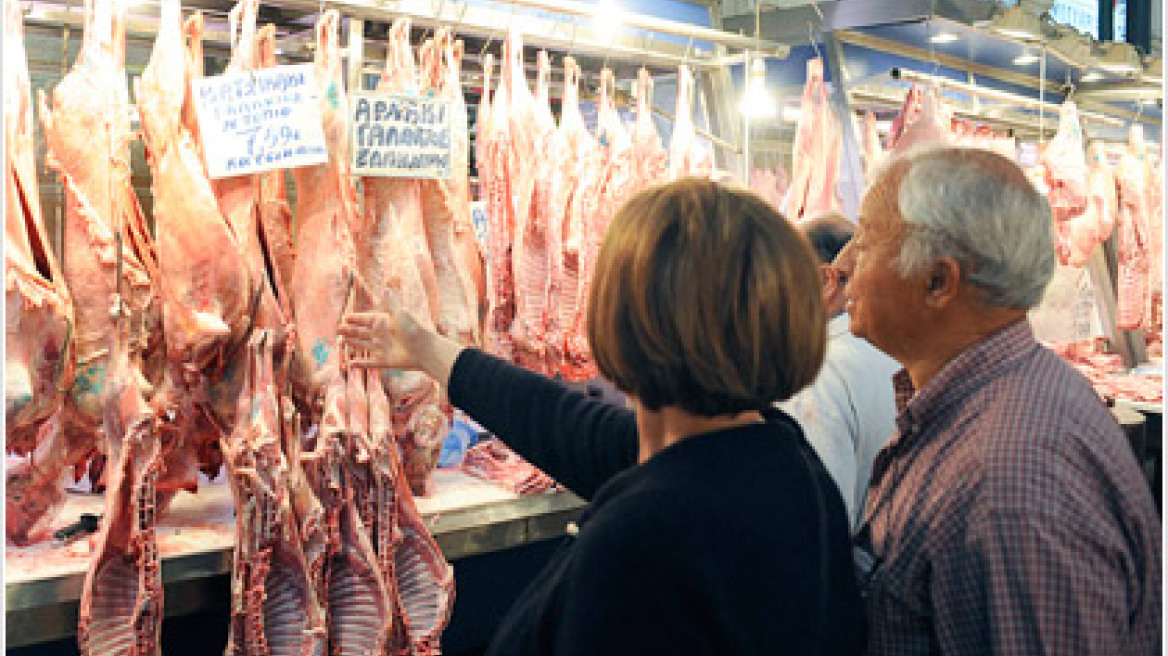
(1011, 77)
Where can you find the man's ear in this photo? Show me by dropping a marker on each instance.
(831, 281)
(943, 282)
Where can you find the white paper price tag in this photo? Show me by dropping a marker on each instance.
(260, 120)
(401, 136)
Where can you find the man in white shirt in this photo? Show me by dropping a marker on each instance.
(849, 412)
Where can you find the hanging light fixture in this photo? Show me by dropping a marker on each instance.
(1154, 68)
(756, 101)
(607, 20)
(1119, 57)
(1018, 23)
(1073, 46)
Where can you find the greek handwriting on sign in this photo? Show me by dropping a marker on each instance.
(401, 135)
(261, 120)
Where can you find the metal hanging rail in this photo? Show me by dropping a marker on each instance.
(993, 94)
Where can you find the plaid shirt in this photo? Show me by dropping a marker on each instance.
(1008, 515)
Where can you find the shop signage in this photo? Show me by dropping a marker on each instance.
(399, 135)
(260, 120)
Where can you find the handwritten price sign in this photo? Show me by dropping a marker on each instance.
(260, 121)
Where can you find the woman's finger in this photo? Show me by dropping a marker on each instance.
(360, 318)
(366, 362)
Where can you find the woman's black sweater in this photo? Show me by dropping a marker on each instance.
(718, 544)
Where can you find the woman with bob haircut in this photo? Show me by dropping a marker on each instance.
(712, 527)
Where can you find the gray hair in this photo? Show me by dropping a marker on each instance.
(980, 209)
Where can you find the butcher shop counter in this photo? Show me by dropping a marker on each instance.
(43, 582)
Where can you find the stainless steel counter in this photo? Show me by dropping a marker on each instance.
(466, 516)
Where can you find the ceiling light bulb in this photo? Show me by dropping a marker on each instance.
(1093, 76)
(756, 102)
(607, 20)
(944, 37)
(1025, 59)
(792, 114)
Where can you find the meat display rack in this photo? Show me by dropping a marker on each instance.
(466, 515)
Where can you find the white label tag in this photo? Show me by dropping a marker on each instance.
(260, 120)
(400, 136)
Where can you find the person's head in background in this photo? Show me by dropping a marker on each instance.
(704, 304)
(829, 234)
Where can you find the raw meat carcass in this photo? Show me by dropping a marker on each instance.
(926, 125)
(491, 460)
(1155, 182)
(498, 183)
(770, 184)
(419, 581)
(468, 251)
(239, 196)
(483, 120)
(1134, 241)
(908, 113)
(579, 196)
(274, 607)
(121, 600)
(874, 154)
(650, 160)
(203, 284)
(275, 215)
(612, 187)
(204, 288)
(354, 592)
(446, 203)
(537, 224)
(326, 264)
(393, 251)
(39, 311)
(687, 157)
(87, 135)
(1103, 196)
(816, 154)
(1065, 164)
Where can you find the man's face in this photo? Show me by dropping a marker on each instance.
(885, 307)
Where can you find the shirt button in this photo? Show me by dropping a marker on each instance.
(572, 529)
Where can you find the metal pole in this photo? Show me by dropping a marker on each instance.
(993, 94)
(746, 125)
(1042, 96)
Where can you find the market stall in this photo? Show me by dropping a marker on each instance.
(204, 441)
(198, 199)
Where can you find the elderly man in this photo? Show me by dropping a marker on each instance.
(848, 414)
(1008, 515)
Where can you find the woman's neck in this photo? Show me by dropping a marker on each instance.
(669, 425)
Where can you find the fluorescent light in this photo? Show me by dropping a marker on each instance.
(791, 114)
(1093, 76)
(1025, 59)
(1018, 23)
(944, 37)
(884, 126)
(1119, 57)
(756, 102)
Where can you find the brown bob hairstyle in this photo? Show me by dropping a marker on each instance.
(705, 298)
